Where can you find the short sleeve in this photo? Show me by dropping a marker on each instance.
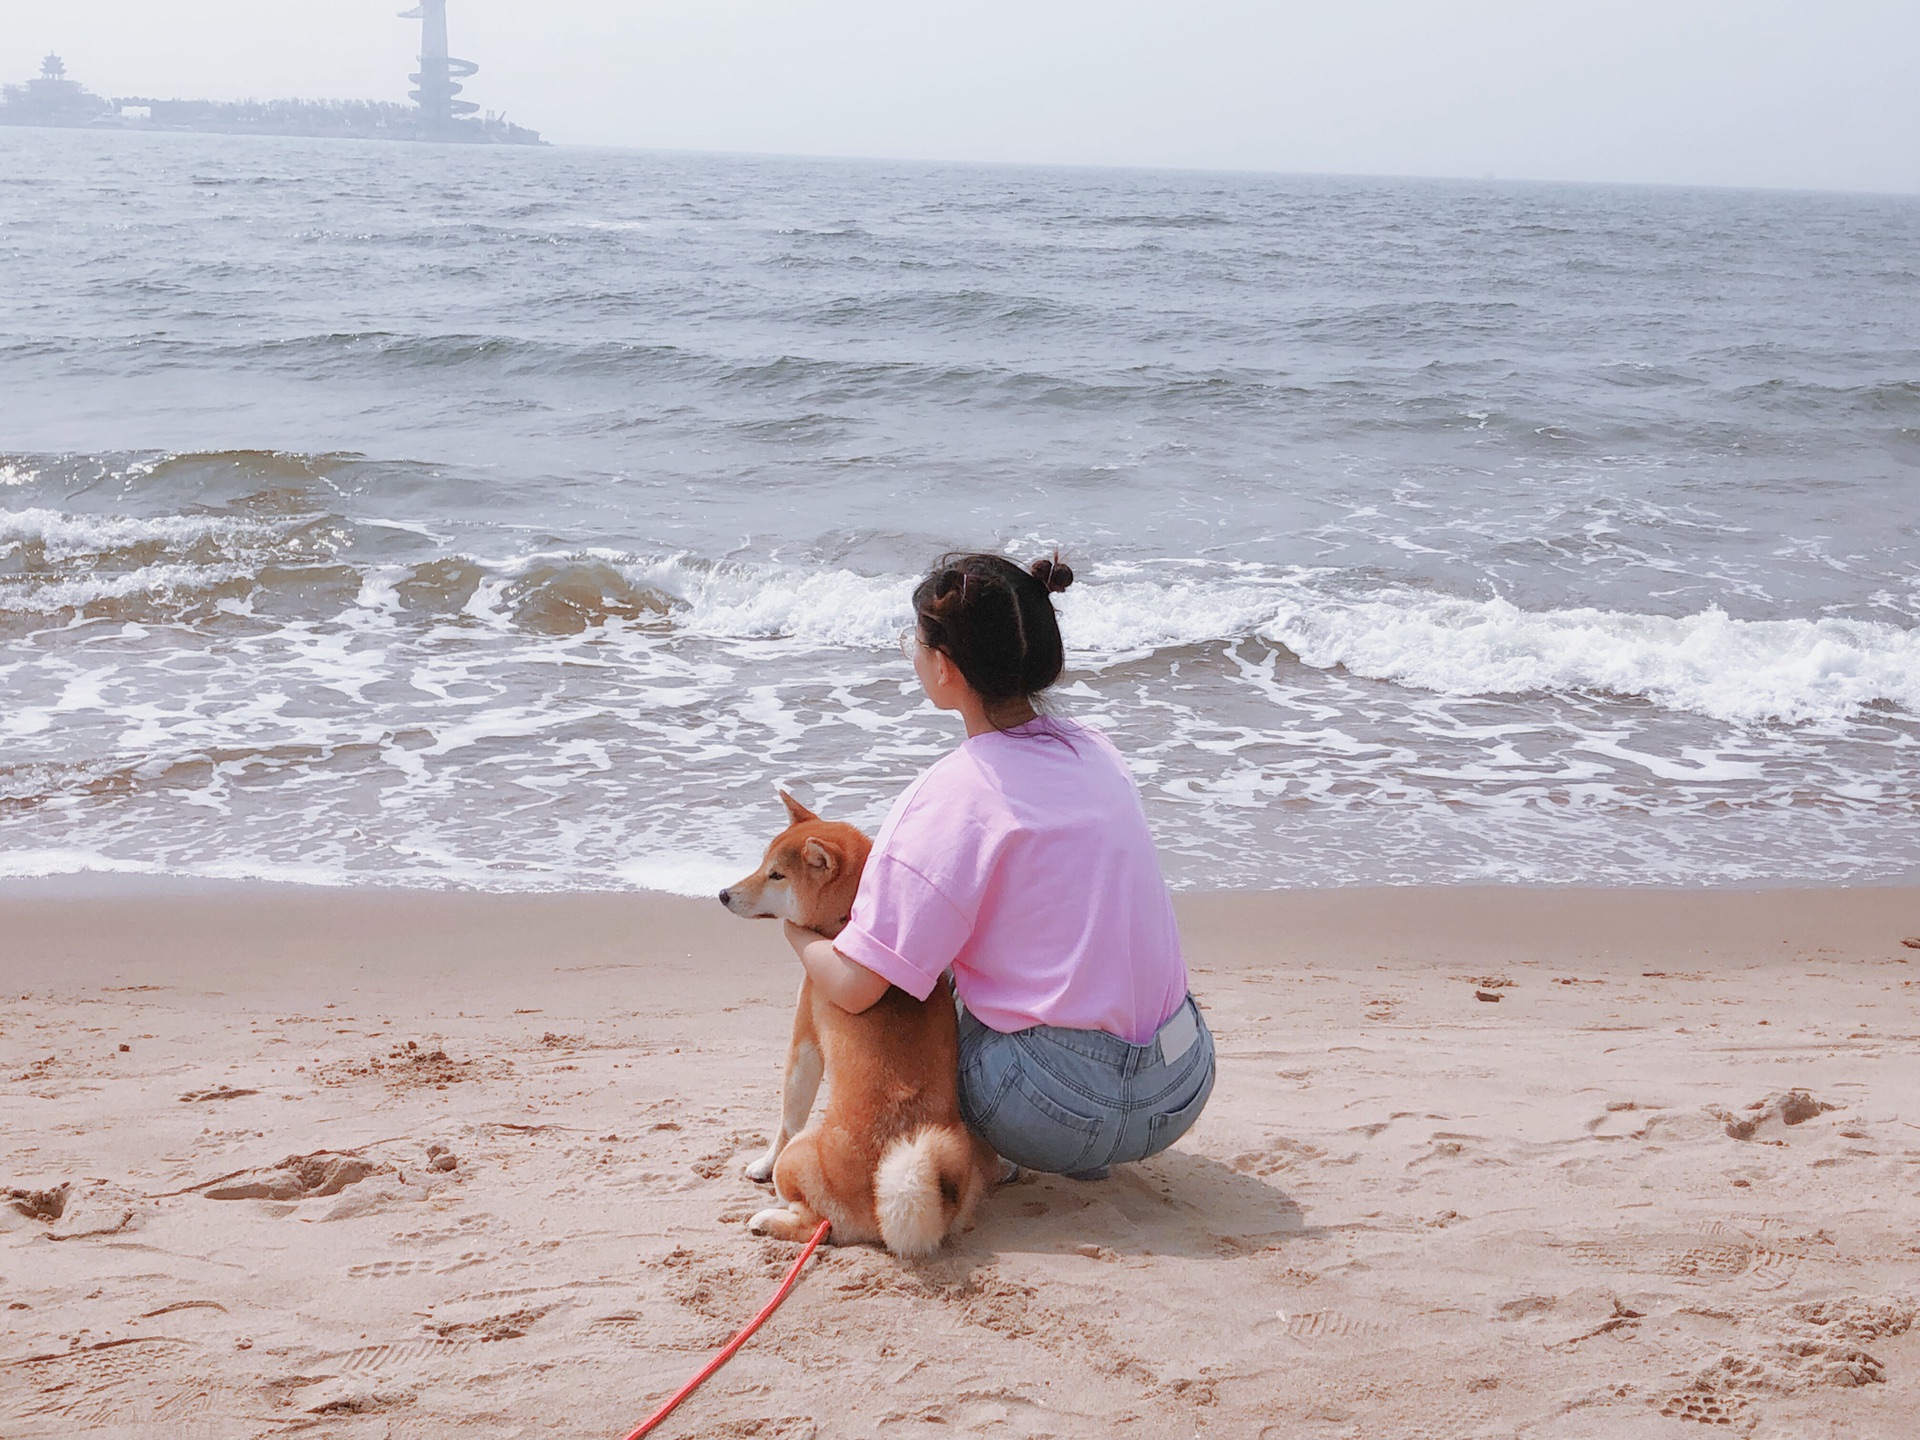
(903, 928)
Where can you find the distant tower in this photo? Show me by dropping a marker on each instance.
(440, 74)
(53, 68)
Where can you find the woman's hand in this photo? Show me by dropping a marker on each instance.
(847, 983)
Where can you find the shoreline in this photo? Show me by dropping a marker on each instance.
(87, 919)
(1480, 1161)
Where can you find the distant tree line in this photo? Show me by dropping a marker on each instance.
(281, 117)
(55, 100)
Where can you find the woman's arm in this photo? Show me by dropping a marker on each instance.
(845, 982)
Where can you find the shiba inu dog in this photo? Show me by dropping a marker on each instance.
(889, 1160)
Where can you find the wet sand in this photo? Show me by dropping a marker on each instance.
(1480, 1163)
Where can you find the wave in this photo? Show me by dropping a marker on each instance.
(1893, 398)
(57, 536)
(250, 481)
(940, 310)
(565, 594)
(278, 567)
(795, 373)
(827, 608)
(133, 568)
(152, 594)
(1708, 663)
(1742, 671)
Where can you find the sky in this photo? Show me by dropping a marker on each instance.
(1815, 94)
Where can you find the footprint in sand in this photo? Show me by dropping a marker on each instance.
(513, 1325)
(1725, 1392)
(1631, 1120)
(1275, 1156)
(1686, 1257)
(1705, 1408)
(1852, 1318)
(388, 1359)
(1777, 1113)
(1526, 1307)
(1789, 1366)
(1331, 1325)
(70, 1212)
(622, 1322)
(338, 1399)
(90, 1388)
(48, 1205)
(298, 1177)
(382, 1269)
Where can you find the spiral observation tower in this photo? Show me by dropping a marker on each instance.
(438, 79)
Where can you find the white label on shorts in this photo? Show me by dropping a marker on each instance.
(1178, 1034)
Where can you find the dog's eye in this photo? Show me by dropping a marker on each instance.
(775, 875)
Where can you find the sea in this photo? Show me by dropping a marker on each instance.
(518, 519)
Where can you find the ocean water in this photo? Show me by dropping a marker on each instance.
(425, 516)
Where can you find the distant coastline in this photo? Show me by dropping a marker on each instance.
(51, 99)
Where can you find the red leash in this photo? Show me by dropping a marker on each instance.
(746, 1332)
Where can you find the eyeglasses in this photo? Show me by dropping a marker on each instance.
(910, 641)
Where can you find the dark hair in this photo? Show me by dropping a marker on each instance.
(995, 621)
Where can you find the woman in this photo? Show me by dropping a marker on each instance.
(1022, 862)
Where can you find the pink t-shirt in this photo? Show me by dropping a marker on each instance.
(1023, 861)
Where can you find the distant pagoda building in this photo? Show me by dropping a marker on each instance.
(53, 99)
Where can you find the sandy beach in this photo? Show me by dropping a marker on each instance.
(1481, 1163)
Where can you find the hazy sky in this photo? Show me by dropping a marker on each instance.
(1816, 93)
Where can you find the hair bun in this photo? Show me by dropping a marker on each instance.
(1052, 572)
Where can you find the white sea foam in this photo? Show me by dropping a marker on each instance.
(43, 863)
(68, 536)
(1100, 622)
(1708, 663)
(694, 875)
(833, 608)
(53, 596)
(1107, 621)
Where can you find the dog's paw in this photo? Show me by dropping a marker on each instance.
(767, 1221)
(761, 1170)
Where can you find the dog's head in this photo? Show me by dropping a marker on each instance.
(809, 874)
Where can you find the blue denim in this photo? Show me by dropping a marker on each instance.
(1065, 1101)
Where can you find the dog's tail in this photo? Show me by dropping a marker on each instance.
(925, 1188)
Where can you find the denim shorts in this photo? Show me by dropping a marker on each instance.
(1063, 1101)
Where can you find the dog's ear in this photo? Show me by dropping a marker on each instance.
(823, 857)
(796, 812)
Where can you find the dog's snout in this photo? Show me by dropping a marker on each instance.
(726, 896)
